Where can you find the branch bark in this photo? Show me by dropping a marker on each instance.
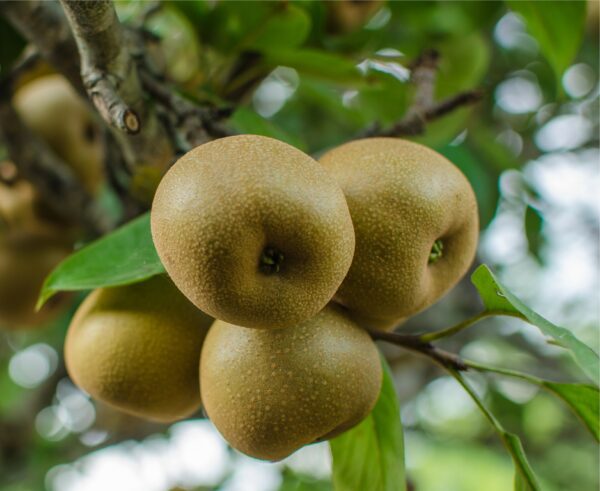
(111, 78)
(424, 108)
(415, 343)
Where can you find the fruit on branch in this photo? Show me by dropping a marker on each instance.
(137, 348)
(416, 224)
(29, 249)
(271, 391)
(253, 231)
(53, 110)
(344, 16)
(24, 264)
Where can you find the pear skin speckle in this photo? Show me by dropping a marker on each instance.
(253, 231)
(402, 197)
(137, 348)
(312, 395)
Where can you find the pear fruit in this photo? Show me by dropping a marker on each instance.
(271, 391)
(29, 249)
(416, 224)
(346, 16)
(25, 261)
(54, 111)
(253, 231)
(137, 348)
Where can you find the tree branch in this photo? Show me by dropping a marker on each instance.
(111, 78)
(194, 123)
(424, 108)
(414, 343)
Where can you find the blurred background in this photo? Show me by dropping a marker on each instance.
(530, 150)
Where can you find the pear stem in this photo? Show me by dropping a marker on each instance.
(270, 260)
(437, 251)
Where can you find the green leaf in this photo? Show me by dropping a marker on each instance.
(293, 481)
(316, 63)
(533, 230)
(558, 27)
(525, 478)
(583, 400)
(124, 256)
(497, 298)
(288, 27)
(371, 455)
(246, 120)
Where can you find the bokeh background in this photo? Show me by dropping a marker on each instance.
(530, 149)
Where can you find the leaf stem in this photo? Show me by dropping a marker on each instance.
(503, 371)
(449, 331)
(510, 441)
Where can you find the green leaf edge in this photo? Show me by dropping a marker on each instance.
(586, 357)
(387, 396)
(52, 284)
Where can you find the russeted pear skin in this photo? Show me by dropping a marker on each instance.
(25, 262)
(29, 249)
(403, 197)
(137, 348)
(253, 231)
(53, 110)
(270, 392)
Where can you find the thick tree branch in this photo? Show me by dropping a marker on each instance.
(110, 76)
(415, 343)
(424, 108)
(195, 124)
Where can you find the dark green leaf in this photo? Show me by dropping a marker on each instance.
(533, 230)
(286, 28)
(11, 45)
(497, 298)
(558, 27)
(371, 455)
(246, 120)
(316, 63)
(125, 256)
(293, 481)
(582, 399)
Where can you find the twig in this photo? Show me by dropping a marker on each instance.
(414, 343)
(194, 123)
(112, 81)
(449, 331)
(105, 64)
(424, 108)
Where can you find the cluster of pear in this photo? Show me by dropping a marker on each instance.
(32, 241)
(294, 258)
